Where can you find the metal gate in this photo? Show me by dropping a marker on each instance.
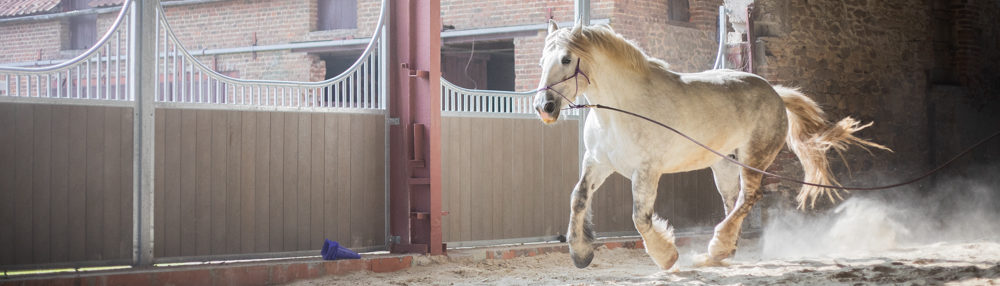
(243, 168)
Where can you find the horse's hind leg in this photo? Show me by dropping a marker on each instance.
(758, 155)
(581, 231)
(657, 235)
(727, 180)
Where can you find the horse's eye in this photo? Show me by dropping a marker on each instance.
(566, 61)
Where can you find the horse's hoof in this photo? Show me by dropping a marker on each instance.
(704, 260)
(720, 250)
(666, 265)
(583, 261)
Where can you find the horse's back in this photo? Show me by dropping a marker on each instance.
(744, 95)
(724, 109)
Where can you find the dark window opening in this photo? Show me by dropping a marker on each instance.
(484, 65)
(337, 14)
(354, 91)
(677, 10)
(82, 28)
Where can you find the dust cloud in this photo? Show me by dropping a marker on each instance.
(962, 208)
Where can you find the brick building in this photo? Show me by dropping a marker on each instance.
(920, 69)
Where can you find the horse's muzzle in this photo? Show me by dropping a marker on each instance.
(548, 111)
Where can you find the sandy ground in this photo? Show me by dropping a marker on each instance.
(949, 263)
(865, 241)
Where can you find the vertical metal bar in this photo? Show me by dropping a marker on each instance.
(327, 95)
(156, 52)
(174, 96)
(189, 75)
(185, 97)
(201, 87)
(79, 92)
(581, 14)
(48, 83)
(165, 77)
(87, 78)
(118, 52)
(383, 94)
(340, 93)
(368, 82)
(97, 79)
(142, 73)
(362, 84)
(107, 74)
(58, 84)
(219, 95)
(581, 11)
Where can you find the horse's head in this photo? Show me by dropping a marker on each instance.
(562, 78)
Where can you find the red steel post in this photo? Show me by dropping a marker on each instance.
(415, 143)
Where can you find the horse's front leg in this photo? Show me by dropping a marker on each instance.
(656, 233)
(581, 232)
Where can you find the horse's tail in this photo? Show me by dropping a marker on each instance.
(810, 135)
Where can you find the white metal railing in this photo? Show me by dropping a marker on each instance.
(456, 100)
(184, 79)
(99, 73)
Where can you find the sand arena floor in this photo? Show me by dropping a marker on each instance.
(865, 241)
(949, 263)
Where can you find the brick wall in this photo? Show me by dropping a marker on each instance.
(686, 46)
(39, 37)
(471, 14)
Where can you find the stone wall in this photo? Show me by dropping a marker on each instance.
(871, 60)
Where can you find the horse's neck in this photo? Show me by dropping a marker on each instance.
(619, 86)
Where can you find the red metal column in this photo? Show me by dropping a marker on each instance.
(415, 143)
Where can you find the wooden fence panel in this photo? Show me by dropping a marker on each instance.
(269, 182)
(61, 191)
(508, 178)
(688, 200)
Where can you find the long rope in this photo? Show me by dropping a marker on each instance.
(780, 177)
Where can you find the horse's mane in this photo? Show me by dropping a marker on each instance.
(589, 38)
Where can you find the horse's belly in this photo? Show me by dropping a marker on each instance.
(667, 154)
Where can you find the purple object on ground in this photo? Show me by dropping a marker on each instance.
(333, 251)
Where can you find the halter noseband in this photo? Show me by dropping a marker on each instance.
(574, 77)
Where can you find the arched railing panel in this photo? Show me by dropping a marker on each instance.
(458, 101)
(99, 73)
(184, 79)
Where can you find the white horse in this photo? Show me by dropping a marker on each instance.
(733, 112)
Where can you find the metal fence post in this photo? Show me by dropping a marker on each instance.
(141, 87)
(581, 14)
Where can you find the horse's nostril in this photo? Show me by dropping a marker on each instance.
(549, 107)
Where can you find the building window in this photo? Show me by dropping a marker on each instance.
(82, 28)
(677, 10)
(479, 65)
(337, 14)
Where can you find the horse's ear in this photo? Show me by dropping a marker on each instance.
(578, 27)
(553, 26)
